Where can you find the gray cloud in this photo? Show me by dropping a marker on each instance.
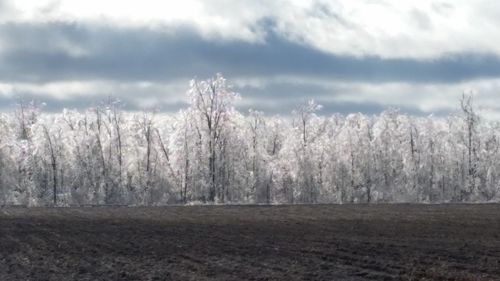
(269, 108)
(72, 51)
(282, 97)
(283, 90)
(117, 57)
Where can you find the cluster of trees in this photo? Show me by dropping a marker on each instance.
(212, 153)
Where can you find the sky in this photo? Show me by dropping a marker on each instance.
(350, 56)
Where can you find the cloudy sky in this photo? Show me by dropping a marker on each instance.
(350, 56)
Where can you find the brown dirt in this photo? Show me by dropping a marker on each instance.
(305, 242)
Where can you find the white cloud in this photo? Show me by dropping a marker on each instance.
(390, 29)
(426, 98)
(142, 94)
(402, 28)
(216, 18)
(395, 28)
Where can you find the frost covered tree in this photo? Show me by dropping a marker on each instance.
(212, 153)
(471, 141)
(307, 127)
(212, 104)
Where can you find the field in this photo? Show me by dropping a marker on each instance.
(303, 242)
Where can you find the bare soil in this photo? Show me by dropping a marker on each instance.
(302, 242)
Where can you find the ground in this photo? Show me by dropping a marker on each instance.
(303, 242)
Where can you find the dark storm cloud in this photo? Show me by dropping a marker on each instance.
(63, 51)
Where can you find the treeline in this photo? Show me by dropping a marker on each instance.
(211, 153)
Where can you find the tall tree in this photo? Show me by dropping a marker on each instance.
(212, 102)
